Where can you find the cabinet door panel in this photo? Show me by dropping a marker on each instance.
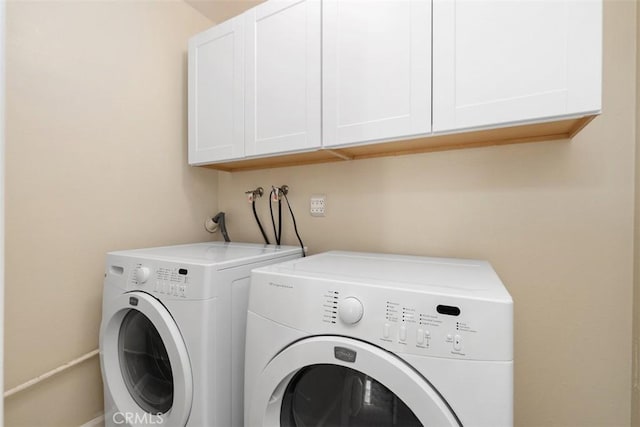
(508, 61)
(216, 92)
(376, 69)
(283, 77)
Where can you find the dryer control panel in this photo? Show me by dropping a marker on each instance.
(400, 317)
(406, 322)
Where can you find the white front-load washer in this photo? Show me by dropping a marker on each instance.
(356, 339)
(172, 332)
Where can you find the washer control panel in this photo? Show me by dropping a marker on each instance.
(170, 280)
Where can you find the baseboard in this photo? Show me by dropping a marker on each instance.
(96, 422)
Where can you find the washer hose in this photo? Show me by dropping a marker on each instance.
(255, 214)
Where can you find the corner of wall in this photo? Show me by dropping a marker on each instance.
(635, 380)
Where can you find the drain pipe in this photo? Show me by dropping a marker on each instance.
(219, 219)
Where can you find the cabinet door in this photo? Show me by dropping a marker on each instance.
(508, 61)
(282, 98)
(376, 69)
(216, 94)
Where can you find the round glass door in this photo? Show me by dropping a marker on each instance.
(145, 364)
(144, 360)
(332, 395)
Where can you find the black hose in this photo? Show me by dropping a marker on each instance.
(279, 219)
(295, 227)
(273, 221)
(255, 214)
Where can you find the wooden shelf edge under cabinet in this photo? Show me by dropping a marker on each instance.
(562, 129)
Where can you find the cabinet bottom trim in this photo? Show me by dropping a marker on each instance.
(563, 129)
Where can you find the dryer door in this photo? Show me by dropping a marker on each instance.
(145, 362)
(337, 381)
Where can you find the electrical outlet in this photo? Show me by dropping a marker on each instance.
(317, 205)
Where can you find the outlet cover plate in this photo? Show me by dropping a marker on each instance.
(318, 205)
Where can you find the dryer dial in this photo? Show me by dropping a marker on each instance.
(142, 274)
(350, 310)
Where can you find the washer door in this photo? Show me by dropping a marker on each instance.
(336, 381)
(145, 362)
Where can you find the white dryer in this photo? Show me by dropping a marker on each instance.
(172, 332)
(356, 339)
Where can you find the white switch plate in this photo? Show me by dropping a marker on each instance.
(318, 205)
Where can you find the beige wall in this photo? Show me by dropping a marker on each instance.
(635, 403)
(96, 161)
(555, 219)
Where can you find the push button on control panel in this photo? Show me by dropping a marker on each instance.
(457, 343)
(402, 333)
(386, 330)
(420, 336)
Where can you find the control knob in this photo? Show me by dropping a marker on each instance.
(350, 310)
(142, 274)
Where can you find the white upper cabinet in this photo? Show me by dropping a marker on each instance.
(282, 65)
(499, 62)
(376, 70)
(216, 87)
(303, 81)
